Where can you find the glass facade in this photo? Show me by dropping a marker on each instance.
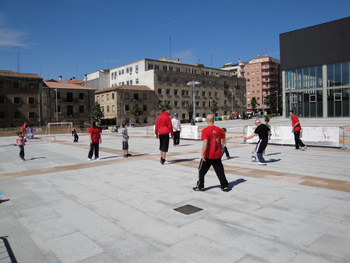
(304, 90)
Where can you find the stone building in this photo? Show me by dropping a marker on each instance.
(73, 103)
(19, 99)
(116, 104)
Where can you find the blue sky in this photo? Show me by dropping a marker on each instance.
(75, 37)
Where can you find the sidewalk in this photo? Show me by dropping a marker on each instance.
(59, 207)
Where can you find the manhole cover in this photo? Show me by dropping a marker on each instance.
(188, 209)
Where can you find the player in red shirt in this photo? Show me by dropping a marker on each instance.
(296, 128)
(162, 130)
(213, 140)
(95, 140)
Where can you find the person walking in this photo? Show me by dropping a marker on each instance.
(95, 140)
(213, 140)
(75, 134)
(125, 140)
(176, 129)
(296, 128)
(263, 131)
(162, 130)
(21, 142)
(225, 150)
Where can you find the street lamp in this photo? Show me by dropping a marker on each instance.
(193, 84)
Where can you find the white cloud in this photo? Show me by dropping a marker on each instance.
(185, 56)
(12, 38)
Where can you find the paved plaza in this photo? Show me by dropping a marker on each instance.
(59, 207)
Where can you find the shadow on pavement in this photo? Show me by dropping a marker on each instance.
(272, 154)
(231, 185)
(9, 254)
(273, 160)
(3, 201)
(34, 158)
(183, 160)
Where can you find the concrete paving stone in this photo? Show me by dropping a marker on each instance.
(73, 247)
(201, 249)
(37, 214)
(103, 257)
(336, 246)
(314, 258)
(250, 259)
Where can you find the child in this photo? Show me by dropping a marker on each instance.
(224, 150)
(125, 139)
(21, 142)
(74, 133)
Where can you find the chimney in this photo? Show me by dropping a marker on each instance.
(73, 78)
(59, 77)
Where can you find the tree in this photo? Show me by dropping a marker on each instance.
(164, 104)
(214, 107)
(96, 112)
(135, 109)
(190, 110)
(253, 103)
(271, 103)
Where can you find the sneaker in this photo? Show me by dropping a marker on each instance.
(262, 163)
(253, 159)
(162, 161)
(225, 189)
(198, 189)
(23, 159)
(97, 159)
(303, 148)
(89, 159)
(129, 154)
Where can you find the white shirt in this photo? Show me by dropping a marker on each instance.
(176, 124)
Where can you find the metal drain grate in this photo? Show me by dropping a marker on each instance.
(188, 209)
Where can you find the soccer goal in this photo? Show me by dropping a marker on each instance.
(58, 131)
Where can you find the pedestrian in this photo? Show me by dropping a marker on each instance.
(75, 134)
(162, 130)
(125, 140)
(95, 140)
(263, 131)
(24, 129)
(225, 150)
(296, 128)
(176, 129)
(213, 140)
(21, 142)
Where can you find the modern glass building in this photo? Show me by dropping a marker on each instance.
(315, 65)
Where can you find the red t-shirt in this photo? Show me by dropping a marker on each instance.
(163, 124)
(294, 121)
(95, 134)
(214, 135)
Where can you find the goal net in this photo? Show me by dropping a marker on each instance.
(58, 131)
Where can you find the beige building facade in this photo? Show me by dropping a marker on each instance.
(19, 99)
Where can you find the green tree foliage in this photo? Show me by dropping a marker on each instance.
(253, 103)
(271, 103)
(164, 104)
(135, 109)
(214, 107)
(190, 110)
(96, 112)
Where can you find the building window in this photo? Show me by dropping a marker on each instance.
(130, 82)
(17, 115)
(130, 69)
(16, 100)
(175, 91)
(175, 80)
(127, 83)
(137, 81)
(137, 69)
(156, 67)
(31, 115)
(159, 91)
(165, 68)
(167, 79)
(168, 92)
(107, 96)
(145, 120)
(126, 96)
(183, 115)
(81, 96)
(58, 108)
(150, 66)
(30, 86)
(112, 96)
(1, 85)
(69, 110)
(144, 107)
(136, 96)
(16, 85)
(81, 108)
(113, 108)
(108, 108)
(2, 99)
(31, 100)
(2, 115)
(209, 93)
(203, 93)
(175, 103)
(203, 104)
(216, 94)
(127, 70)
(170, 68)
(126, 107)
(145, 96)
(69, 97)
(159, 78)
(177, 69)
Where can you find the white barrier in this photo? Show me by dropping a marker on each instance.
(325, 136)
(187, 132)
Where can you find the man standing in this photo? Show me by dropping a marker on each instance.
(263, 131)
(213, 140)
(176, 129)
(162, 130)
(296, 128)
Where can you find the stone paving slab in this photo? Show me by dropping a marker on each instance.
(60, 207)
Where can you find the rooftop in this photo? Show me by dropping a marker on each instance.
(10, 73)
(133, 87)
(57, 85)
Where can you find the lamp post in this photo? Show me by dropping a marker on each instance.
(193, 84)
(277, 101)
(56, 107)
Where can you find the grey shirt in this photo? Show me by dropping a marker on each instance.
(125, 132)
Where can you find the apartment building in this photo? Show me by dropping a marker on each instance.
(169, 80)
(263, 80)
(19, 98)
(237, 68)
(116, 104)
(66, 102)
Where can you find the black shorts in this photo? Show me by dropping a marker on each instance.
(125, 145)
(163, 142)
